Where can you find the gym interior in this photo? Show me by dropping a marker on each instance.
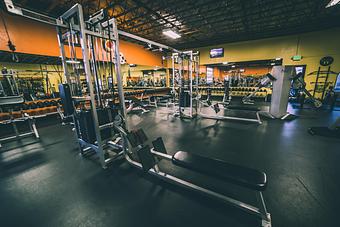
(169, 113)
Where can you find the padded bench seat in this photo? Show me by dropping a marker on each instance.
(241, 107)
(11, 100)
(239, 175)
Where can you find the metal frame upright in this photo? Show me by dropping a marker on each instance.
(87, 32)
(190, 60)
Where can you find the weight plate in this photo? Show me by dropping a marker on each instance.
(326, 61)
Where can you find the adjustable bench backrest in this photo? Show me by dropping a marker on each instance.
(11, 100)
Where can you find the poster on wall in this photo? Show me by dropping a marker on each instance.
(300, 69)
(210, 75)
(337, 84)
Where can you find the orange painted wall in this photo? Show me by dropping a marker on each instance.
(28, 36)
(32, 37)
(136, 54)
(257, 71)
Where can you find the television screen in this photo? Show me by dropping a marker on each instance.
(337, 84)
(217, 53)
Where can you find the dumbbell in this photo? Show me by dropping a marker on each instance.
(25, 106)
(4, 116)
(55, 102)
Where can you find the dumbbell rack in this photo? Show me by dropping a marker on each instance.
(9, 103)
(235, 91)
(33, 108)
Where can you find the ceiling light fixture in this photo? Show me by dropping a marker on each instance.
(332, 3)
(72, 61)
(172, 34)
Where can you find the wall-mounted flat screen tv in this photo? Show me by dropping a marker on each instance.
(217, 52)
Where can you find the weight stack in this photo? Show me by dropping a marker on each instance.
(86, 126)
(66, 99)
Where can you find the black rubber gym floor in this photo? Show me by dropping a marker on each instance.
(47, 183)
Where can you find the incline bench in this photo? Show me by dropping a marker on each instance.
(235, 174)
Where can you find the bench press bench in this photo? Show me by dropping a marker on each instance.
(135, 105)
(238, 175)
(217, 109)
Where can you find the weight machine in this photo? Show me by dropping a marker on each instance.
(93, 124)
(281, 77)
(187, 63)
(304, 92)
(8, 83)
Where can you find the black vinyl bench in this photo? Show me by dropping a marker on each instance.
(218, 169)
(243, 107)
(325, 131)
(243, 176)
(217, 109)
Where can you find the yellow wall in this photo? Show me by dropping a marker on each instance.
(53, 76)
(312, 47)
(137, 72)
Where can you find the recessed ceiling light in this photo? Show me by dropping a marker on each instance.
(172, 34)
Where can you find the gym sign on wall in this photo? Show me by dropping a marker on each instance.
(108, 47)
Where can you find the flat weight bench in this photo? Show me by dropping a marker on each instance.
(136, 105)
(325, 131)
(239, 175)
(216, 108)
(245, 108)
